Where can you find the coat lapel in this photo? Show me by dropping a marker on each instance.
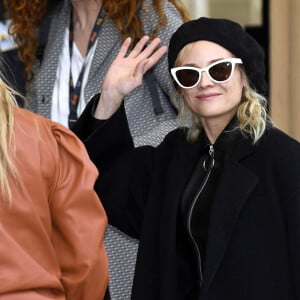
(108, 38)
(108, 43)
(237, 184)
(45, 79)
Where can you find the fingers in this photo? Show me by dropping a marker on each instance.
(138, 48)
(141, 50)
(155, 57)
(148, 63)
(124, 48)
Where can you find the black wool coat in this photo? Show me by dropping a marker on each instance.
(253, 246)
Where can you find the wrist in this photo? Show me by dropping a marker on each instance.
(108, 104)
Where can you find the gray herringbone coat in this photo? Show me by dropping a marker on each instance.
(146, 127)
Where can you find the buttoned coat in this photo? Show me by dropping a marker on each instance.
(253, 247)
(146, 126)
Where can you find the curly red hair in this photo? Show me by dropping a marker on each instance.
(27, 15)
(124, 14)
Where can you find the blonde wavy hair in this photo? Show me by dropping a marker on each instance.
(7, 168)
(252, 113)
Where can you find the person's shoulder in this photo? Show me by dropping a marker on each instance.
(176, 145)
(26, 118)
(149, 13)
(31, 122)
(277, 135)
(51, 136)
(280, 143)
(177, 136)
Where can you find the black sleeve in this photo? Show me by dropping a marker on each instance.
(124, 171)
(103, 138)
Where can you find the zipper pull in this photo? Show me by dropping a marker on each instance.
(209, 162)
(211, 151)
(212, 155)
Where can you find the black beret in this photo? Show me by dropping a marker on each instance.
(229, 35)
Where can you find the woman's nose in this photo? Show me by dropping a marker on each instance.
(205, 80)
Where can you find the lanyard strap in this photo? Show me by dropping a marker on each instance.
(74, 91)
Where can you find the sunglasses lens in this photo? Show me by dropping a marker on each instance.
(187, 77)
(221, 72)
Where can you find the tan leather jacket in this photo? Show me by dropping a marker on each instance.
(51, 239)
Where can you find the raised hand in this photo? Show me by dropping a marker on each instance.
(126, 73)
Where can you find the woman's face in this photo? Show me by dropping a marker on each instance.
(210, 100)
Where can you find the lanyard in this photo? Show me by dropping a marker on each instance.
(74, 91)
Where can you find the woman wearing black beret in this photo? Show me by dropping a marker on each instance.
(216, 206)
